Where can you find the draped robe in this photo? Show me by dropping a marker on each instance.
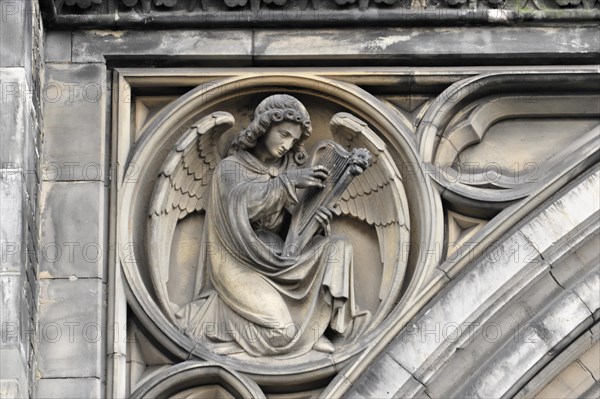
(250, 297)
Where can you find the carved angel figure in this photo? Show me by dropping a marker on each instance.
(249, 296)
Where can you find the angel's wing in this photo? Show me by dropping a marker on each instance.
(377, 197)
(181, 189)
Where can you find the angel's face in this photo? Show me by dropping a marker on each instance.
(280, 138)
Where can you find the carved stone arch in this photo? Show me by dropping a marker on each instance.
(162, 132)
(463, 114)
(573, 373)
(496, 327)
(197, 380)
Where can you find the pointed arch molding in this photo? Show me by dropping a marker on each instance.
(162, 131)
(460, 118)
(506, 316)
(192, 377)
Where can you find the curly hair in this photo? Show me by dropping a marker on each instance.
(272, 110)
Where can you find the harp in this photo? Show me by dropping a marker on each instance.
(343, 166)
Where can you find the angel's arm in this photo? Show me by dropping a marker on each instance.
(260, 192)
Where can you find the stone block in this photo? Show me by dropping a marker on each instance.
(10, 304)
(9, 389)
(502, 266)
(11, 214)
(591, 361)
(572, 382)
(14, 94)
(70, 329)
(578, 260)
(57, 46)
(13, 32)
(562, 320)
(74, 122)
(389, 45)
(563, 218)
(72, 230)
(13, 368)
(190, 45)
(481, 340)
(588, 290)
(69, 388)
(382, 380)
(31, 161)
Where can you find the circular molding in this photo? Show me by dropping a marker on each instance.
(425, 223)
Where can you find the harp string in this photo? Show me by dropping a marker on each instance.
(336, 163)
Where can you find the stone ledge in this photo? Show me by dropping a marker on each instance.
(488, 44)
(95, 46)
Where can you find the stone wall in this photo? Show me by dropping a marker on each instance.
(68, 129)
(72, 274)
(20, 146)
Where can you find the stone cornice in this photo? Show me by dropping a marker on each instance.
(311, 13)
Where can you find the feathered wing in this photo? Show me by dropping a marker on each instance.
(181, 189)
(377, 197)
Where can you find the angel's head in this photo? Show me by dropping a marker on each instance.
(280, 125)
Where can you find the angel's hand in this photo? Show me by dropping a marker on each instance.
(308, 177)
(324, 216)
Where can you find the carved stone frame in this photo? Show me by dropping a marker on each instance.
(127, 82)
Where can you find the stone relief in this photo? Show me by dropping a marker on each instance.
(240, 12)
(272, 279)
(191, 5)
(217, 193)
(196, 134)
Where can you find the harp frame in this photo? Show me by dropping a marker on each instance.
(343, 166)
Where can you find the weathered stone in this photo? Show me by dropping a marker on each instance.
(578, 260)
(74, 122)
(57, 46)
(223, 45)
(572, 382)
(591, 361)
(72, 230)
(474, 295)
(390, 376)
(13, 373)
(503, 263)
(564, 216)
(12, 33)
(588, 290)
(562, 319)
(11, 214)
(12, 116)
(411, 44)
(31, 164)
(10, 303)
(69, 388)
(482, 338)
(10, 389)
(70, 328)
